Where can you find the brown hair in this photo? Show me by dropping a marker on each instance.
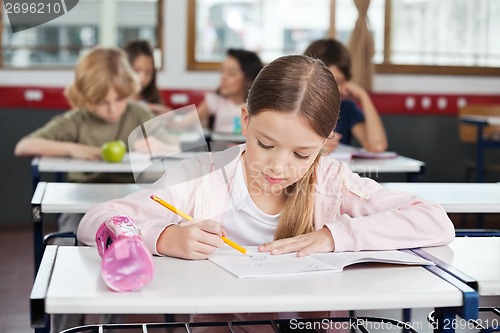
(150, 93)
(99, 70)
(302, 85)
(331, 52)
(249, 62)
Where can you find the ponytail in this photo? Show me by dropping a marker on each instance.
(298, 210)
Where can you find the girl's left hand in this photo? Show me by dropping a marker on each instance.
(316, 241)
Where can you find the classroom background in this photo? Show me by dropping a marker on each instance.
(431, 58)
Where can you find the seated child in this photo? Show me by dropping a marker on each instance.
(277, 191)
(363, 121)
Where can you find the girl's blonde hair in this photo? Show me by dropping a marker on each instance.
(99, 70)
(302, 85)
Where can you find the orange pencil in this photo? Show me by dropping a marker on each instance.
(187, 217)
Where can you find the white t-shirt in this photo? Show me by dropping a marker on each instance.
(227, 114)
(244, 222)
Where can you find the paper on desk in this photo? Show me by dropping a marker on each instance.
(256, 264)
(367, 154)
(341, 155)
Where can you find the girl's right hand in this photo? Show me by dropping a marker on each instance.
(84, 152)
(195, 239)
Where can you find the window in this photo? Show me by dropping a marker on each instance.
(411, 36)
(58, 43)
(256, 25)
(446, 32)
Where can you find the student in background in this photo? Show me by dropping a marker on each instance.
(141, 58)
(102, 111)
(363, 121)
(277, 191)
(238, 71)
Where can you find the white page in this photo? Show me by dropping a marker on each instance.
(256, 264)
(340, 260)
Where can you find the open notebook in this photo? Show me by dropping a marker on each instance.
(255, 264)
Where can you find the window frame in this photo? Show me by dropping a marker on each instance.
(37, 67)
(386, 67)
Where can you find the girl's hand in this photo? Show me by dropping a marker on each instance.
(316, 241)
(84, 152)
(195, 239)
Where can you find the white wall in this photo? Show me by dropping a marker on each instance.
(175, 75)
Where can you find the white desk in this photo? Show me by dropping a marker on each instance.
(371, 167)
(67, 164)
(69, 198)
(76, 197)
(399, 164)
(137, 164)
(75, 286)
(456, 197)
(476, 257)
(368, 167)
(489, 120)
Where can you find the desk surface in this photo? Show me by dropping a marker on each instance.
(477, 257)
(77, 198)
(371, 167)
(456, 197)
(490, 120)
(129, 164)
(178, 287)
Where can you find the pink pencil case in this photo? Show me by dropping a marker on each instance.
(127, 264)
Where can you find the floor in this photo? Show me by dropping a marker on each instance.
(16, 279)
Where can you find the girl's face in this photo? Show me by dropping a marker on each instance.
(232, 81)
(144, 67)
(280, 149)
(340, 78)
(111, 108)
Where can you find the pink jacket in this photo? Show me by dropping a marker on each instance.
(359, 212)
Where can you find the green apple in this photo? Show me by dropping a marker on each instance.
(113, 151)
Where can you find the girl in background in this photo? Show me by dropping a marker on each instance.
(238, 72)
(141, 58)
(277, 191)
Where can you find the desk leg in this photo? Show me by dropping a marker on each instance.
(36, 215)
(40, 320)
(35, 176)
(406, 319)
(445, 321)
(415, 176)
